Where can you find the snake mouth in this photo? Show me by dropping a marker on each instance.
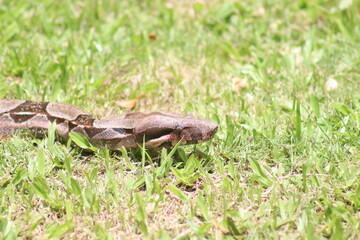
(161, 141)
(162, 132)
(169, 138)
(156, 134)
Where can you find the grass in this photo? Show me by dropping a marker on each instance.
(280, 77)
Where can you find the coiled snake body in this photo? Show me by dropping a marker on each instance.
(156, 129)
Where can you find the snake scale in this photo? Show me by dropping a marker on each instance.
(156, 129)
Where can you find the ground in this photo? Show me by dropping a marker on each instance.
(281, 78)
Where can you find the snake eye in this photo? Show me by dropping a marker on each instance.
(192, 133)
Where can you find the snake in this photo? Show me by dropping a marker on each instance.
(131, 130)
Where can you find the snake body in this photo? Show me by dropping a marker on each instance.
(156, 129)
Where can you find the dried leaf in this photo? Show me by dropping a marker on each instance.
(331, 85)
(259, 12)
(239, 84)
(219, 226)
(152, 36)
(129, 104)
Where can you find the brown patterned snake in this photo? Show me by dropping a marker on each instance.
(157, 129)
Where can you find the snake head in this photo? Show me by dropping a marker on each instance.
(163, 129)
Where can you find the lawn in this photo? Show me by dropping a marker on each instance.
(281, 78)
